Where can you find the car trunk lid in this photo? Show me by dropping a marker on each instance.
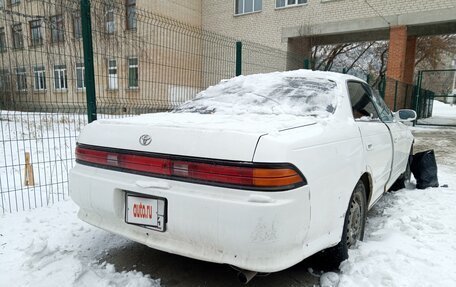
(225, 137)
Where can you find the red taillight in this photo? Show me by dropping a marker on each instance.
(249, 176)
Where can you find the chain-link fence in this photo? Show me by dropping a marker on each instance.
(142, 62)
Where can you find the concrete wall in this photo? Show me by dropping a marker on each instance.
(188, 11)
(270, 25)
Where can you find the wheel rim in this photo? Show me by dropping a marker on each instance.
(355, 218)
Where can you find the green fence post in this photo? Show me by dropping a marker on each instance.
(418, 94)
(238, 58)
(306, 64)
(89, 77)
(395, 96)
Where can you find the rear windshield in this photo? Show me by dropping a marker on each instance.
(267, 94)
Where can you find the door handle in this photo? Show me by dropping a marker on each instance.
(396, 140)
(370, 147)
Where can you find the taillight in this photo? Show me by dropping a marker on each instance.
(272, 177)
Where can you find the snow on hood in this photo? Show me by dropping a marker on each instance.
(299, 93)
(216, 122)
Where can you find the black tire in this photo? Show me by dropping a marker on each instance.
(354, 224)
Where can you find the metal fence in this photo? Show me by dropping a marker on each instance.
(436, 98)
(141, 61)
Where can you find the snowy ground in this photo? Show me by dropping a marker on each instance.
(410, 241)
(442, 114)
(50, 140)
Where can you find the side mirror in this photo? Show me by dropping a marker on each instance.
(405, 115)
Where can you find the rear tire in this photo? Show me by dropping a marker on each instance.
(354, 223)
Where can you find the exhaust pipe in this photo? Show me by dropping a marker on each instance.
(245, 276)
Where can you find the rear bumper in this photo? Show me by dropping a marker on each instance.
(258, 231)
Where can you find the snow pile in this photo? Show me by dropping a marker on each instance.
(440, 109)
(442, 114)
(51, 247)
(296, 93)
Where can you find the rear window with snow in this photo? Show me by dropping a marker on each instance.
(267, 94)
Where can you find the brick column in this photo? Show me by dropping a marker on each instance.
(400, 66)
(300, 48)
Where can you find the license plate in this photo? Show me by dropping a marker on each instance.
(147, 212)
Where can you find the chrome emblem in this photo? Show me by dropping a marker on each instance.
(145, 140)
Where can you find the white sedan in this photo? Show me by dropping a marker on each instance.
(258, 171)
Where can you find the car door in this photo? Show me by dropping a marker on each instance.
(376, 137)
(398, 134)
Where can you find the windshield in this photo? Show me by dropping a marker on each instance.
(273, 93)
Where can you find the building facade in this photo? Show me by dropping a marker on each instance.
(160, 53)
(42, 60)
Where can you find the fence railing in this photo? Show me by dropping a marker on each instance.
(142, 62)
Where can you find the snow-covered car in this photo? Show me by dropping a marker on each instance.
(258, 171)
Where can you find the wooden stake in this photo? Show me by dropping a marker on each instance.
(29, 179)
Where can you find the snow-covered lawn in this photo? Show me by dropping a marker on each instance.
(410, 240)
(442, 114)
(50, 140)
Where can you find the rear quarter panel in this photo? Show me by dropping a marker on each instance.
(330, 156)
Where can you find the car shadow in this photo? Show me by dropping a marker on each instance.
(174, 270)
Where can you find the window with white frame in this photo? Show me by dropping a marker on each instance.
(77, 27)
(39, 74)
(288, 3)
(18, 40)
(60, 77)
(2, 40)
(21, 79)
(110, 21)
(247, 6)
(57, 29)
(131, 14)
(80, 83)
(112, 75)
(36, 35)
(133, 73)
(4, 80)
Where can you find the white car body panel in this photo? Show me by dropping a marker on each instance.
(258, 231)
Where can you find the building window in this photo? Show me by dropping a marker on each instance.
(4, 80)
(18, 41)
(57, 29)
(110, 23)
(60, 77)
(21, 79)
(112, 75)
(77, 27)
(35, 33)
(133, 73)
(2, 4)
(247, 6)
(14, 2)
(80, 83)
(40, 78)
(131, 14)
(2, 40)
(288, 3)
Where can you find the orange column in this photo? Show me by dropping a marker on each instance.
(400, 66)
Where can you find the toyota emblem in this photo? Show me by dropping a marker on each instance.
(145, 140)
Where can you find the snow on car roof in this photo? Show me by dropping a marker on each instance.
(300, 93)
